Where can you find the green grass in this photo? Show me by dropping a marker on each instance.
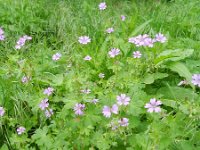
(55, 25)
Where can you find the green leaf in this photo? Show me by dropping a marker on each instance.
(150, 78)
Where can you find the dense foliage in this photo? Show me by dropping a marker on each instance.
(118, 74)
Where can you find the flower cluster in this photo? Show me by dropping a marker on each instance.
(22, 40)
(146, 40)
(2, 36)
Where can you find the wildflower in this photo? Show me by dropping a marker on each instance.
(48, 91)
(20, 130)
(2, 111)
(137, 54)
(107, 110)
(87, 58)
(86, 91)
(102, 6)
(110, 30)
(44, 104)
(141, 40)
(2, 37)
(123, 122)
(160, 38)
(114, 125)
(84, 39)
(123, 18)
(196, 79)
(21, 41)
(48, 113)
(122, 99)
(101, 75)
(153, 106)
(95, 101)
(183, 82)
(25, 79)
(114, 52)
(1, 31)
(56, 56)
(78, 109)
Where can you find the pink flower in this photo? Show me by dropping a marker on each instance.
(123, 18)
(20, 130)
(2, 111)
(123, 122)
(101, 75)
(86, 91)
(48, 91)
(48, 113)
(21, 41)
(160, 38)
(196, 79)
(137, 54)
(25, 79)
(78, 109)
(95, 101)
(56, 56)
(87, 58)
(102, 6)
(141, 40)
(153, 106)
(1, 31)
(2, 37)
(44, 104)
(114, 52)
(122, 99)
(107, 110)
(84, 40)
(110, 30)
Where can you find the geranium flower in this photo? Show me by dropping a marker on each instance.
(21, 41)
(25, 79)
(107, 110)
(142, 40)
(123, 122)
(48, 91)
(48, 113)
(2, 111)
(87, 58)
(122, 99)
(160, 38)
(56, 56)
(20, 130)
(114, 52)
(137, 54)
(84, 40)
(196, 79)
(102, 6)
(153, 106)
(78, 109)
(123, 18)
(110, 30)
(95, 101)
(44, 104)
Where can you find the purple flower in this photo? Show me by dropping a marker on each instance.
(87, 58)
(2, 37)
(123, 18)
(122, 99)
(101, 75)
(1, 31)
(196, 79)
(123, 122)
(84, 39)
(25, 79)
(44, 104)
(107, 110)
(137, 54)
(102, 6)
(141, 40)
(153, 106)
(2, 111)
(20, 130)
(78, 109)
(114, 125)
(114, 52)
(56, 56)
(21, 41)
(95, 101)
(48, 113)
(110, 30)
(86, 91)
(48, 91)
(160, 38)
